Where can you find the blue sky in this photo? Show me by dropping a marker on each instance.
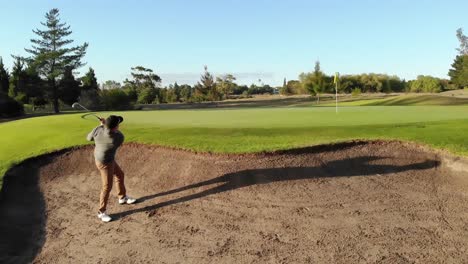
(256, 39)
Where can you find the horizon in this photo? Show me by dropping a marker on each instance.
(253, 41)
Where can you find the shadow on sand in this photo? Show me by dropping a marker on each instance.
(22, 211)
(359, 166)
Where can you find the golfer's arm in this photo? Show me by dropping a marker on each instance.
(91, 134)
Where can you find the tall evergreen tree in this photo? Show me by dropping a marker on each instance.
(459, 71)
(463, 49)
(316, 83)
(17, 88)
(89, 81)
(4, 78)
(206, 88)
(51, 54)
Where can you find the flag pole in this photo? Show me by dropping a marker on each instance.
(336, 91)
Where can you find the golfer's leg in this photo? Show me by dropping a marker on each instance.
(119, 180)
(106, 170)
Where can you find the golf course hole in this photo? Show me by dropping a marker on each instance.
(378, 201)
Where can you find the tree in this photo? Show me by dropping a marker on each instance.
(206, 88)
(171, 95)
(89, 81)
(9, 107)
(110, 84)
(17, 88)
(426, 84)
(240, 89)
(4, 78)
(314, 82)
(371, 83)
(92, 99)
(115, 99)
(147, 95)
(225, 85)
(35, 88)
(69, 88)
(186, 92)
(459, 71)
(463, 49)
(144, 80)
(145, 77)
(51, 54)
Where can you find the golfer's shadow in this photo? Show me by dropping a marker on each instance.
(359, 166)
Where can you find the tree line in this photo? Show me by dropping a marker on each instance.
(48, 76)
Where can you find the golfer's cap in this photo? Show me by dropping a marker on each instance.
(113, 121)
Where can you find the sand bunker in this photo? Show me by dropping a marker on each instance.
(384, 202)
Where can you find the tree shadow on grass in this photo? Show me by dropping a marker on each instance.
(359, 166)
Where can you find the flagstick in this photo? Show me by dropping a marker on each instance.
(336, 97)
(336, 90)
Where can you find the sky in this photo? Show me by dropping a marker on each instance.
(255, 40)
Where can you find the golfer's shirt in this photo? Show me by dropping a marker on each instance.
(107, 142)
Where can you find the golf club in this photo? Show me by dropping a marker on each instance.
(76, 104)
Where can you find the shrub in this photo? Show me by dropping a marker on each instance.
(91, 99)
(10, 107)
(115, 99)
(426, 84)
(356, 92)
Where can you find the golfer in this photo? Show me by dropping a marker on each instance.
(108, 139)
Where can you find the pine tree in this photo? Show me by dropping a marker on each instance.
(206, 88)
(463, 49)
(459, 71)
(4, 78)
(17, 87)
(89, 81)
(318, 84)
(51, 54)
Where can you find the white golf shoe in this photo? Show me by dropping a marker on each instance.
(104, 217)
(127, 200)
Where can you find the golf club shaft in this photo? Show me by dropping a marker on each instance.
(88, 110)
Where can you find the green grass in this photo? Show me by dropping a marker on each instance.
(244, 130)
(406, 100)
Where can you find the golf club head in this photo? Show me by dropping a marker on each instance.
(76, 104)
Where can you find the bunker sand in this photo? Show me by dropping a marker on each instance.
(385, 202)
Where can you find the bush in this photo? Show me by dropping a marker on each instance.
(115, 99)
(22, 98)
(356, 92)
(238, 90)
(426, 84)
(90, 99)
(147, 95)
(9, 107)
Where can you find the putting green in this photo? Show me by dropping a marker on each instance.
(244, 130)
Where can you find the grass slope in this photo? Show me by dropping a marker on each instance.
(244, 130)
